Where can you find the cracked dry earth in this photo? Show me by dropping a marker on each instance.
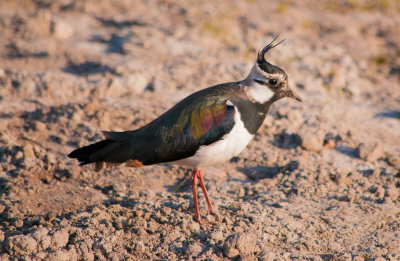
(320, 181)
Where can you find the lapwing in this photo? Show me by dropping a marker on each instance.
(207, 127)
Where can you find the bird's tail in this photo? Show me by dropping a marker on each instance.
(110, 151)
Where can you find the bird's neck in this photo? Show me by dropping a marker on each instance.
(252, 114)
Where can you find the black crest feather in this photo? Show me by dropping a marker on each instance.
(262, 63)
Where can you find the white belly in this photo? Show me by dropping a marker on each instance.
(229, 146)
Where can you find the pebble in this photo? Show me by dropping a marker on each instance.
(370, 150)
(341, 176)
(61, 29)
(140, 247)
(268, 256)
(194, 227)
(39, 126)
(116, 87)
(242, 244)
(60, 238)
(138, 213)
(394, 160)
(217, 236)
(41, 236)
(136, 83)
(28, 151)
(392, 192)
(312, 138)
(194, 249)
(22, 245)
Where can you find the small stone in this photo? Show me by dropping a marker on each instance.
(60, 255)
(147, 216)
(19, 223)
(267, 256)
(241, 192)
(194, 249)
(61, 29)
(105, 246)
(341, 176)
(329, 143)
(19, 155)
(394, 160)
(173, 236)
(140, 247)
(185, 205)
(346, 257)
(166, 211)
(312, 138)
(392, 192)
(138, 213)
(244, 244)
(60, 238)
(22, 245)
(380, 192)
(238, 229)
(136, 83)
(304, 215)
(39, 126)
(195, 227)
(28, 151)
(370, 150)
(230, 250)
(2, 236)
(115, 87)
(140, 222)
(217, 236)
(227, 220)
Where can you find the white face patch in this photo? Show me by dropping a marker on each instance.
(259, 93)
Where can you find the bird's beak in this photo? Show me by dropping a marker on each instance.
(291, 94)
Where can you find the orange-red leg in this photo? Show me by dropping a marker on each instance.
(197, 176)
(193, 181)
(203, 187)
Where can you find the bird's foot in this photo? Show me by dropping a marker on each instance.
(212, 212)
(200, 220)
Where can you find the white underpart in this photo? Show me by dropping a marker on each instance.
(259, 93)
(229, 146)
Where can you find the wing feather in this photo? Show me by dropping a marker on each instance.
(181, 131)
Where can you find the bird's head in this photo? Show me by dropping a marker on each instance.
(267, 82)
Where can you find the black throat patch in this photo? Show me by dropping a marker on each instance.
(252, 114)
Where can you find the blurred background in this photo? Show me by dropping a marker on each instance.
(320, 181)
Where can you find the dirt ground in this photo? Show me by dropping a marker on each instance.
(320, 181)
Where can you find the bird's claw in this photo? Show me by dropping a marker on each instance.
(200, 221)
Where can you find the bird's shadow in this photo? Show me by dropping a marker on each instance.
(260, 172)
(87, 68)
(120, 24)
(389, 114)
(286, 140)
(348, 151)
(115, 43)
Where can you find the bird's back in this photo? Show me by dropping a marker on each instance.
(200, 119)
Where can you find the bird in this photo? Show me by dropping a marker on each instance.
(207, 127)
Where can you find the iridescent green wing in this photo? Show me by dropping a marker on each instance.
(180, 132)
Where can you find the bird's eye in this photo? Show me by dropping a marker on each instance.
(272, 81)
